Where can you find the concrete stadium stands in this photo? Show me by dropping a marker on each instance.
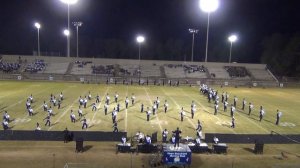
(63, 68)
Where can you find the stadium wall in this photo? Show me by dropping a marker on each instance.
(59, 135)
(273, 138)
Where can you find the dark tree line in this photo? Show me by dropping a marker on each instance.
(282, 53)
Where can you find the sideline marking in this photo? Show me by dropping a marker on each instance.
(158, 121)
(98, 108)
(64, 113)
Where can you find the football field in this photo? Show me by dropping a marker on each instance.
(14, 95)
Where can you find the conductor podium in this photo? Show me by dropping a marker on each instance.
(181, 155)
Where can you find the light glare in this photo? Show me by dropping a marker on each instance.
(69, 2)
(66, 32)
(140, 39)
(232, 38)
(37, 25)
(209, 5)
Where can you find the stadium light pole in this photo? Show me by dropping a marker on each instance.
(69, 2)
(67, 34)
(193, 31)
(140, 40)
(208, 6)
(231, 39)
(77, 25)
(38, 26)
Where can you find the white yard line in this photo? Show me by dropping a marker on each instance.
(23, 100)
(26, 115)
(98, 107)
(126, 114)
(64, 113)
(179, 108)
(203, 107)
(158, 121)
(236, 113)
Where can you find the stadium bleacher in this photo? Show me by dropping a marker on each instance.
(87, 67)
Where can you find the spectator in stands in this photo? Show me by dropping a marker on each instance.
(278, 116)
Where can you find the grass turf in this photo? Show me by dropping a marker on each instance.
(14, 94)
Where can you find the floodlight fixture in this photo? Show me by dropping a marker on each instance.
(67, 32)
(232, 38)
(209, 5)
(37, 25)
(140, 39)
(69, 2)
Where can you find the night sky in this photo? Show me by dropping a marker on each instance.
(158, 20)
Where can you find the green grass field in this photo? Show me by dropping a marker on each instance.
(57, 154)
(14, 94)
